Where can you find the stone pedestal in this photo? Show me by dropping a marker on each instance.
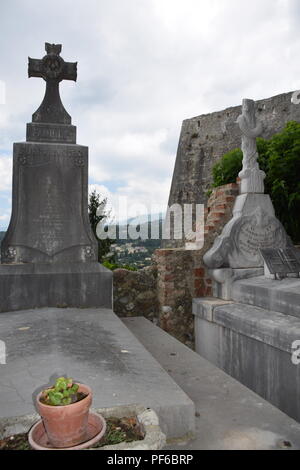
(60, 285)
(253, 226)
(252, 338)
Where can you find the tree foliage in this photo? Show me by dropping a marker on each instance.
(279, 158)
(97, 213)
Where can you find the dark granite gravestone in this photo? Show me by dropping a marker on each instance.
(49, 253)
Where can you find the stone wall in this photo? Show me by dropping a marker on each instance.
(181, 274)
(135, 293)
(206, 138)
(163, 293)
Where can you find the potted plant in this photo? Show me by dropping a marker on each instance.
(64, 409)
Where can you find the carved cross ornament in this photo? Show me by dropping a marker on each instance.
(53, 69)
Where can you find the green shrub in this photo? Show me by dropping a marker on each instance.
(228, 168)
(279, 158)
(113, 266)
(283, 177)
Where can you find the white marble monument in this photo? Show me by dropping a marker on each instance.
(254, 224)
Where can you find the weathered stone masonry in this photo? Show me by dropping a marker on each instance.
(205, 139)
(135, 292)
(163, 292)
(182, 275)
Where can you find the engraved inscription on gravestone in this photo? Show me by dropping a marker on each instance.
(253, 236)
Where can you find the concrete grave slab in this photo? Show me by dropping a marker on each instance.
(92, 346)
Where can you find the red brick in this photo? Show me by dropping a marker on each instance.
(199, 272)
(231, 186)
(169, 267)
(230, 198)
(199, 284)
(199, 292)
(169, 277)
(162, 253)
(208, 292)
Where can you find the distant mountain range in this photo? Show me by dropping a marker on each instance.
(151, 230)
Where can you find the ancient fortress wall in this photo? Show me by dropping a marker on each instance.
(205, 139)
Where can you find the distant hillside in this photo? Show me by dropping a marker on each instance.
(137, 253)
(149, 228)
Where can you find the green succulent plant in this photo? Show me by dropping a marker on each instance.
(64, 392)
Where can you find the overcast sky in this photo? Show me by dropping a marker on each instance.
(143, 67)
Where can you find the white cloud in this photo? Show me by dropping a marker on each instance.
(5, 173)
(143, 67)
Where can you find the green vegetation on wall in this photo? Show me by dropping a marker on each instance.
(279, 157)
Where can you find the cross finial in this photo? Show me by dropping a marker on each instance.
(53, 69)
(53, 48)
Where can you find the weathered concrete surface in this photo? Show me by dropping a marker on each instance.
(154, 438)
(254, 346)
(253, 226)
(94, 347)
(229, 415)
(279, 296)
(49, 221)
(31, 286)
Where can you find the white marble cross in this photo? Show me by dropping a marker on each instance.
(252, 178)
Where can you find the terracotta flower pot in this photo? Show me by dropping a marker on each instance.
(66, 426)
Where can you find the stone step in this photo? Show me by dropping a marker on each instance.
(230, 416)
(272, 328)
(279, 296)
(216, 213)
(215, 219)
(221, 207)
(209, 229)
(253, 345)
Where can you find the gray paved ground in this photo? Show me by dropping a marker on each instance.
(93, 347)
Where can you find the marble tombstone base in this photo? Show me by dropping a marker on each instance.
(30, 286)
(253, 226)
(252, 337)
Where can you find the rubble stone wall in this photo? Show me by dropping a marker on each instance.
(164, 291)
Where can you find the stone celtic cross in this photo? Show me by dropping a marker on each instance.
(53, 69)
